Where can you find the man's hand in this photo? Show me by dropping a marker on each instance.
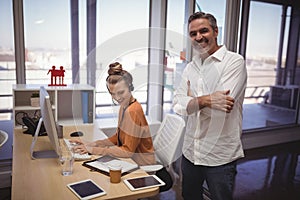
(220, 100)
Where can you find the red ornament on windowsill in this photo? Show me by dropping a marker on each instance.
(57, 73)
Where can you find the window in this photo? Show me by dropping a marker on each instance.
(122, 35)
(176, 40)
(47, 39)
(7, 58)
(174, 50)
(118, 25)
(218, 11)
(267, 103)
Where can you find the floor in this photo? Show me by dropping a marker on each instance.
(269, 173)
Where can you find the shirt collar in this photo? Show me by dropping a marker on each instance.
(220, 53)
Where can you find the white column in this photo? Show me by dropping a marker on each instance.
(157, 36)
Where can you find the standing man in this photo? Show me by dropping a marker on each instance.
(211, 95)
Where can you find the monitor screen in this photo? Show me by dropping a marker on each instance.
(47, 117)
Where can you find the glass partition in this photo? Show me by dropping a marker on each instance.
(267, 102)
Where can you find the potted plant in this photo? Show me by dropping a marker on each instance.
(35, 99)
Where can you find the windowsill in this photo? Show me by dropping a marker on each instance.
(269, 136)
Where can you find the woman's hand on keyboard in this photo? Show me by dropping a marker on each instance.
(81, 149)
(81, 142)
(76, 141)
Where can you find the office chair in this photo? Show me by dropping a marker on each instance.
(167, 142)
(168, 148)
(3, 138)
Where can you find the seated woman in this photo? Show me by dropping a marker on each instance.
(132, 138)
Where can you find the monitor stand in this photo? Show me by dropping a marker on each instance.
(43, 153)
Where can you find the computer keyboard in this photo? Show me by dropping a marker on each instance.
(77, 156)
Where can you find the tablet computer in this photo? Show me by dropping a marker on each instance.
(143, 182)
(86, 189)
(101, 164)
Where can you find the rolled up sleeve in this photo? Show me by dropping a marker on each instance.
(181, 99)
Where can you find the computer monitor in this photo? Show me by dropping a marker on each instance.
(47, 117)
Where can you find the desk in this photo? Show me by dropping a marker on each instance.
(41, 178)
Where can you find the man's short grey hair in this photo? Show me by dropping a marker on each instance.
(201, 15)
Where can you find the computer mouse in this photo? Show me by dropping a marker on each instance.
(76, 134)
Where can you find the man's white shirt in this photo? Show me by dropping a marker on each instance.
(213, 137)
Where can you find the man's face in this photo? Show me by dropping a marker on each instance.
(203, 36)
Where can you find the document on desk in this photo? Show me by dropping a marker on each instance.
(102, 164)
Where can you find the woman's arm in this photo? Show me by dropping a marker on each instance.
(126, 150)
(99, 143)
(106, 142)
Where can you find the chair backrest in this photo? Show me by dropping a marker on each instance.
(169, 139)
(3, 138)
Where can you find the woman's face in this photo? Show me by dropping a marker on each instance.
(120, 92)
